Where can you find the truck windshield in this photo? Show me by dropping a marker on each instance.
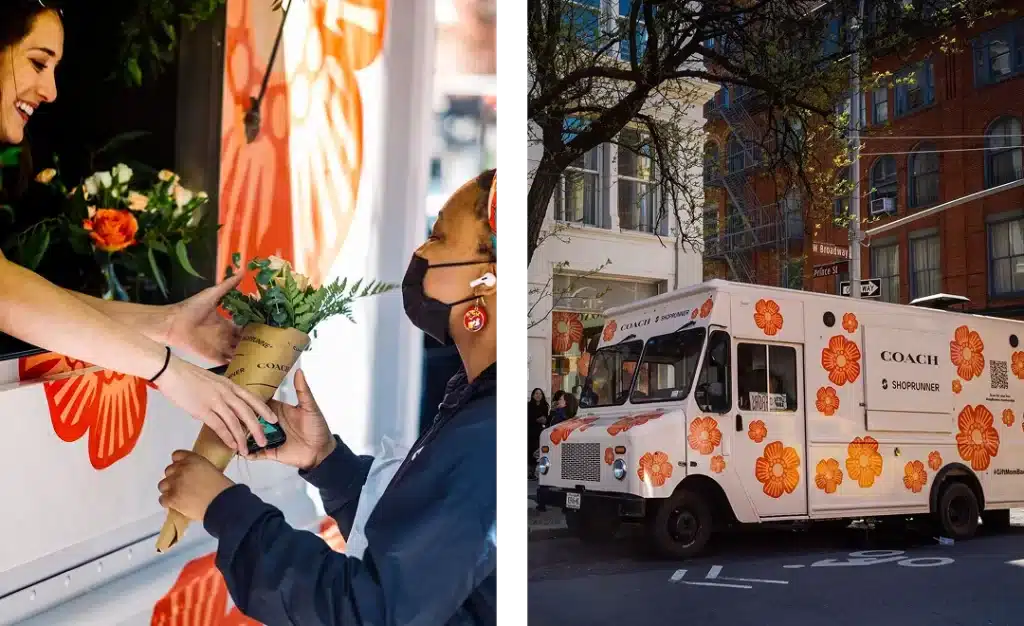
(611, 374)
(668, 367)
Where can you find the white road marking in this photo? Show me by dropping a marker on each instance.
(717, 569)
(704, 584)
(796, 566)
(677, 576)
(713, 572)
(932, 561)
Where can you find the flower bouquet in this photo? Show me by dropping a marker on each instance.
(276, 325)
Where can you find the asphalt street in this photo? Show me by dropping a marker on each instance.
(769, 577)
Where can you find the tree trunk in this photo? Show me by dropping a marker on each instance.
(545, 180)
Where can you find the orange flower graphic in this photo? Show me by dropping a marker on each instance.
(718, 464)
(827, 475)
(934, 460)
(111, 230)
(330, 533)
(1008, 417)
(978, 440)
(108, 405)
(609, 456)
(705, 309)
(850, 323)
(914, 476)
(757, 431)
(654, 468)
(583, 365)
(957, 386)
(562, 431)
(778, 470)
(841, 359)
(967, 353)
(704, 435)
(694, 314)
(623, 424)
(767, 317)
(863, 462)
(609, 331)
(1017, 364)
(198, 598)
(566, 331)
(827, 402)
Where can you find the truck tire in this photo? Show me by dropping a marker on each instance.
(595, 528)
(681, 527)
(996, 520)
(958, 511)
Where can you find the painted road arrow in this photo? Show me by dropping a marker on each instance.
(714, 574)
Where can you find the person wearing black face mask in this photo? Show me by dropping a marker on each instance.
(428, 542)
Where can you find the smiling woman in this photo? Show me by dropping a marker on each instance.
(31, 46)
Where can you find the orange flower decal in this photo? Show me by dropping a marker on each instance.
(654, 468)
(827, 402)
(778, 470)
(609, 456)
(330, 533)
(199, 597)
(957, 386)
(757, 431)
(978, 440)
(562, 431)
(914, 476)
(694, 314)
(566, 331)
(1017, 364)
(1008, 417)
(609, 331)
(967, 353)
(863, 462)
(841, 359)
(850, 323)
(704, 435)
(827, 475)
(705, 309)
(718, 464)
(623, 424)
(112, 230)
(108, 405)
(767, 317)
(934, 460)
(583, 365)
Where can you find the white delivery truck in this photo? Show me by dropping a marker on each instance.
(733, 403)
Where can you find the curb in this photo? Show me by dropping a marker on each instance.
(541, 534)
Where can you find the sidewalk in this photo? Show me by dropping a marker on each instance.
(548, 524)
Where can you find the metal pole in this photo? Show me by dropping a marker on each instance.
(857, 114)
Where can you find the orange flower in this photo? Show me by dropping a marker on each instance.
(827, 475)
(623, 424)
(778, 470)
(977, 440)
(112, 230)
(1008, 417)
(718, 464)
(609, 330)
(704, 435)
(767, 317)
(566, 330)
(654, 468)
(199, 596)
(828, 402)
(705, 309)
(841, 359)
(609, 456)
(695, 313)
(967, 353)
(850, 323)
(1018, 364)
(957, 386)
(863, 462)
(562, 431)
(757, 431)
(914, 476)
(934, 460)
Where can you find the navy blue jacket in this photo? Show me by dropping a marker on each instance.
(432, 553)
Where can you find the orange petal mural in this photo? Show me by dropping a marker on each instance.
(654, 468)
(566, 331)
(967, 353)
(704, 435)
(1008, 417)
(863, 462)
(978, 440)
(827, 475)
(827, 401)
(850, 323)
(609, 456)
(778, 470)
(110, 406)
(757, 431)
(718, 464)
(1017, 365)
(957, 386)
(841, 359)
(705, 309)
(562, 431)
(934, 460)
(767, 317)
(623, 424)
(914, 476)
(609, 331)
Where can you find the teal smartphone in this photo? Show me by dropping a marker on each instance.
(274, 434)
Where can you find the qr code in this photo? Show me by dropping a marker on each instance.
(999, 378)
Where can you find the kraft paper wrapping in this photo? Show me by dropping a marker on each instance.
(264, 356)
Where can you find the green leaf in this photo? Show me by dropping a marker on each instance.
(236, 258)
(265, 277)
(134, 72)
(9, 156)
(8, 210)
(35, 247)
(157, 274)
(182, 252)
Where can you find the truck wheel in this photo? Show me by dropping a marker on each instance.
(958, 511)
(996, 520)
(594, 528)
(681, 526)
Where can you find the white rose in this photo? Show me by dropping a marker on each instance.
(202, 195)
(91, 186)
(137, 201)
(105, 179)
(182, 196)
(301, 280)
(167, 176)
(277, 264)
(122, 172)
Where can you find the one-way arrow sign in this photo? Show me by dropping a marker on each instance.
(870, 288)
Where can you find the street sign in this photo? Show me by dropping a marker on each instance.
(832, 269)
(829, 249)
(869, 288)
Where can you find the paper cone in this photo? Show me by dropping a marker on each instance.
(264, 356)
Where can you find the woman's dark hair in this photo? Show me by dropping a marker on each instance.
(542, 397)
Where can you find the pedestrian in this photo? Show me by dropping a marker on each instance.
(537, 419)
(559, 407)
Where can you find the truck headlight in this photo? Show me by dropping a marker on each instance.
(543, 465)
(619, 469)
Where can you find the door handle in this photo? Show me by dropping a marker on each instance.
(739, 423)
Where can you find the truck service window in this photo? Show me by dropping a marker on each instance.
(766, 377)
(611, 374)
(668, 366)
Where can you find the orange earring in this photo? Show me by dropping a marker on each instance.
(475, 318)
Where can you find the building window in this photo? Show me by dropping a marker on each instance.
(880, 105)
(923, 167)
(582, 18)
(641, 32)
(883, 185)
(579, 197)
(925, 270)
(885, 266)
(915, 88)
(999, 54)
(638, 197)
(737, 157)
(1003, 152)
(841, 205)
(711, 165)
(1006, 257)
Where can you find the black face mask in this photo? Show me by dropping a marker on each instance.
(429, 315)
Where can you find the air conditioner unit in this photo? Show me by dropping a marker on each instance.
(882, 206)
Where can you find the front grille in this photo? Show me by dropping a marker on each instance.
(581, 461)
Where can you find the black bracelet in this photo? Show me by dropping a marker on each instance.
(167, 361)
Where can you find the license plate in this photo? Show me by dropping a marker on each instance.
(572, 501)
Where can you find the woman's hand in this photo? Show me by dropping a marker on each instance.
(217, 402)
(190, 484)
(194, 325)
(309, 440)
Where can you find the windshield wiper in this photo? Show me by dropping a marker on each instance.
(685, 326)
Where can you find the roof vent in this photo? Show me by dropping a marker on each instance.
(941, 301)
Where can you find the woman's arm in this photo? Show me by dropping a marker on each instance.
(152, 321)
